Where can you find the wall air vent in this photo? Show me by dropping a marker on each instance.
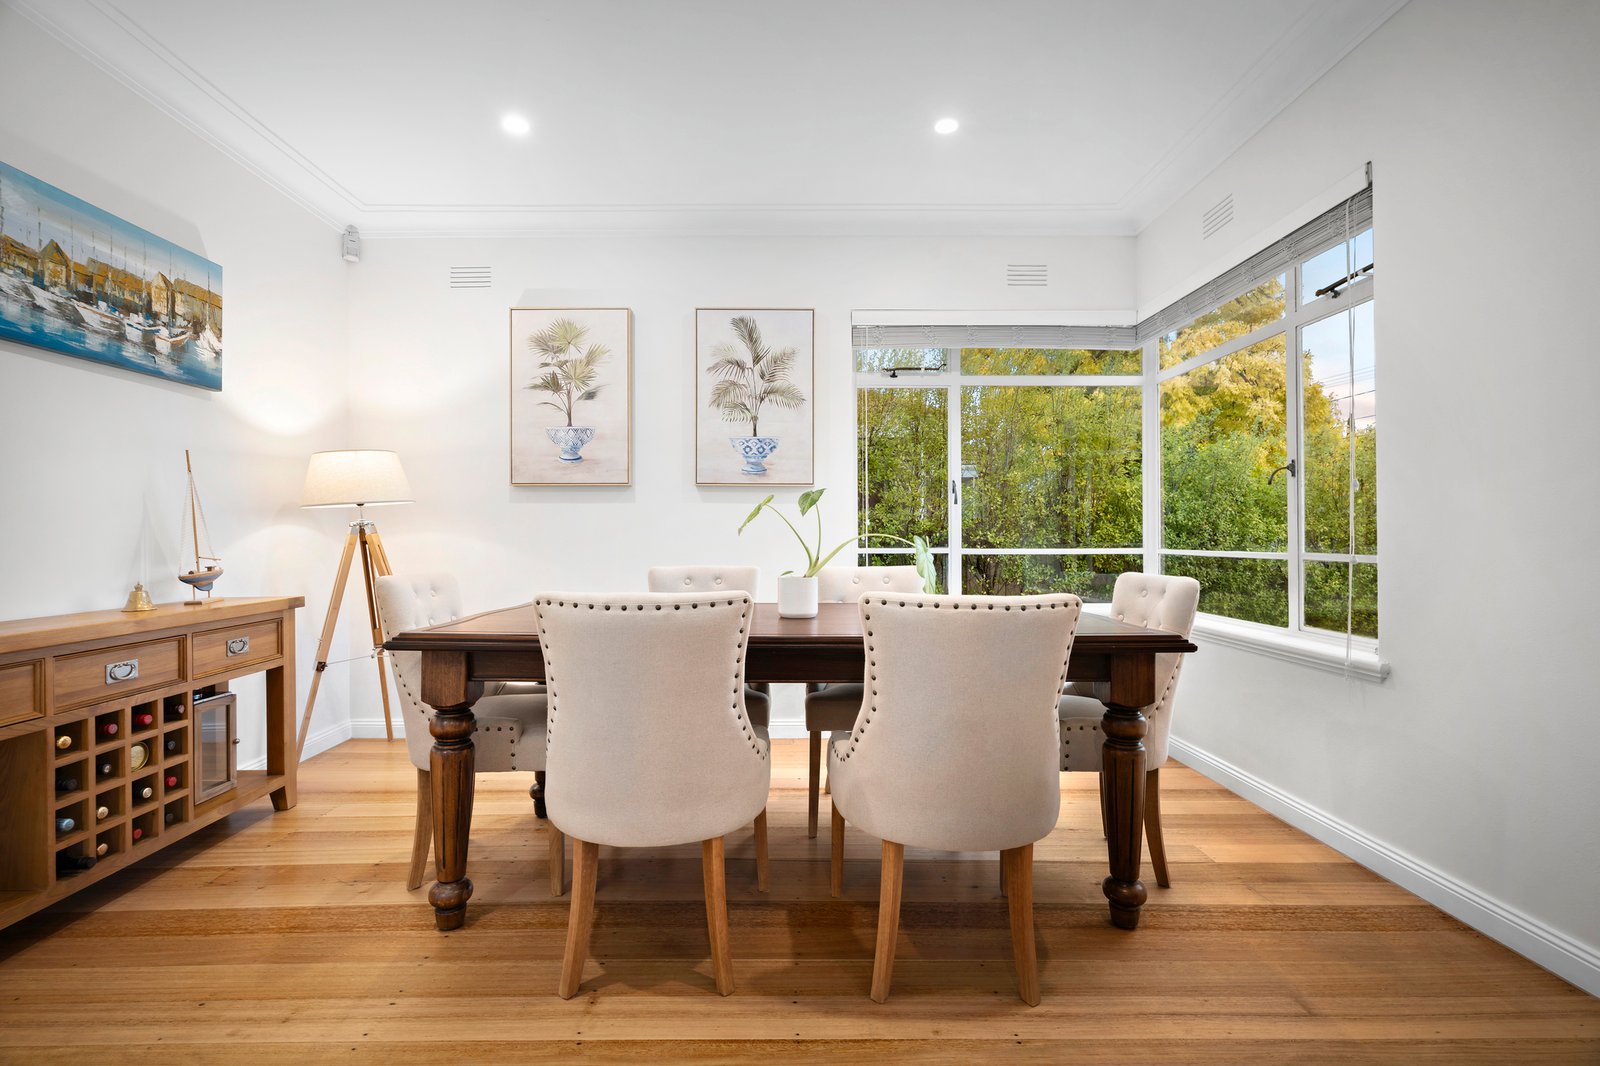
(471, 277)
(1027, 275)
(1218, 216)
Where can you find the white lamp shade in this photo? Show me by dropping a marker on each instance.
(354, 478)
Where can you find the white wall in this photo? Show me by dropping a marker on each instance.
(91, 458)
(430, 371)
(1468, 775)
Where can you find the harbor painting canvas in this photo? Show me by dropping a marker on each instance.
(571, 400)
(78, 280)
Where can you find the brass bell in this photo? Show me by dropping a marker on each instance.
(139, 599)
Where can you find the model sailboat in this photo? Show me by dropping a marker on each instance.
(207, 568)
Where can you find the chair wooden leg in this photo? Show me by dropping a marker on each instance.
(422, 836)
(711, 861)
(1152, 826)
(1002, 873)
(761, 851)
(894, 864)
(1019, 876)
(558, 860)
(836, 863)
(815, 785)
(580, 919)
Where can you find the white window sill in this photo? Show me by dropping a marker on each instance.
(1303, 649)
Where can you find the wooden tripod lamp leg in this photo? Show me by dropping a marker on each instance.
(371, 553)
(326, 641)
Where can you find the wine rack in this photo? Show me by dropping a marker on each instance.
(94, 779)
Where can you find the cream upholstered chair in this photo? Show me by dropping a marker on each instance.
(955, 748)
(757, 698)
(510, 717)
(1155, 602)
(834, 707)
(649, 742)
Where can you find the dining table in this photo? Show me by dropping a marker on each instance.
(460, 656)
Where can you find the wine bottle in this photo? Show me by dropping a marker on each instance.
(64, 741)
(172, 780)
(70, 863)
(172, 745)
(102, 813)
(101, 849)
(66, 784)
(144, 719)
(108, 729)
(146, 792)
(138, 755)
(173, 710)
(137, 833)
(65, 825)
(171, 817)
(106, 768)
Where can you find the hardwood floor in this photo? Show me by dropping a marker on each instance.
(291, 938)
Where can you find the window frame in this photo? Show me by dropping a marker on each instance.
(1328, 649)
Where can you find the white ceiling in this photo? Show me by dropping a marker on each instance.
(722, 116)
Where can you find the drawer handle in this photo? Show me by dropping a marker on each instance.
(126, 670)
(238, 645)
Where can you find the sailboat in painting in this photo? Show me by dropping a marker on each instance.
(207, 568)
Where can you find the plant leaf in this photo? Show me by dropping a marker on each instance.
(752, 515)
(809, 500)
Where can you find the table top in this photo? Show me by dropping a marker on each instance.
(836, 624)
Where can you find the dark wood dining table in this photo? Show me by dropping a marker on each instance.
(503, 645)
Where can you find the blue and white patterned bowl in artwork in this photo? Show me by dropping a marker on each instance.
(570, 439)
(756, 452)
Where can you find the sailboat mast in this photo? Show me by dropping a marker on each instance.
(194, 506)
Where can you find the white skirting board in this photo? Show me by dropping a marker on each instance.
(1563, 956)
(316, 743)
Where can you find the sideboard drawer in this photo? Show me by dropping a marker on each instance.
(93, 676)
(226, 649)
(21, 693)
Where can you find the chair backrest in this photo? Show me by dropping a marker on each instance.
(411, 603)
(845, 584)
(649, 743)
(704, 579)
(1158, 601)
(958, 740)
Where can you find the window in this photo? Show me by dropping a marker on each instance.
(1022, 466)
(1025, 463)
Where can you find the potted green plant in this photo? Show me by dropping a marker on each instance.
(797, 593)
(748, 380)
(571, 376)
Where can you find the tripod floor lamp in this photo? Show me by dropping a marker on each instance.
(354, 479)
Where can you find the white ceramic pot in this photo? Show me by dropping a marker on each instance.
(797, 596)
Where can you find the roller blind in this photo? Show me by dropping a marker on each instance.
(1089, 337)
(1325, 230)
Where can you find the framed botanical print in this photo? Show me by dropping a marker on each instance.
(755, 386)
(571, 395)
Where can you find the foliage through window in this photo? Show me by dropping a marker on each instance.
(1028, 470)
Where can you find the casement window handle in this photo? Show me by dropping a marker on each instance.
(1289, 466)
(955, 496)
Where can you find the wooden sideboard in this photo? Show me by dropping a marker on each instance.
(98, 709)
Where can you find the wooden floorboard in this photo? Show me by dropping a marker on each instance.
(290, 938)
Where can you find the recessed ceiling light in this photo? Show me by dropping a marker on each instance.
(515, 125)
(946, 126)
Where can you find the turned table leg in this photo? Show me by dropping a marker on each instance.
(1122, 775)
(446, 689)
